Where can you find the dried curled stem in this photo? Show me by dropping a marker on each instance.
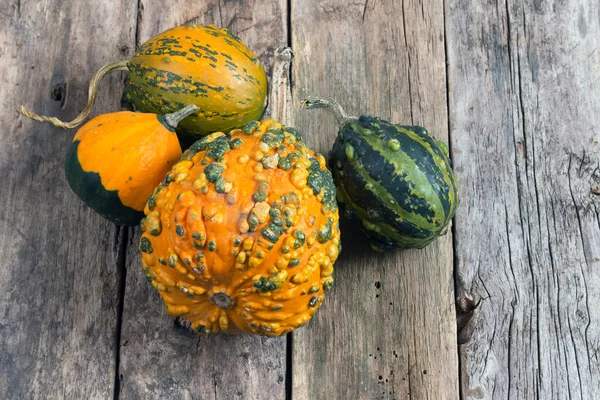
(176, 117)
(280, 97)
(331, 105)
(93, 90)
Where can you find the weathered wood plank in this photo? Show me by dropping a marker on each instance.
(59, 276)
(524, 101)
(388, 329)
(158, 358)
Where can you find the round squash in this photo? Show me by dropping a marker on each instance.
(242, 234)
(395, 180)
(201, 65)
(117, 159)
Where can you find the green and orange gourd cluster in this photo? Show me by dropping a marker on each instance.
(240, 231)
(199, 66)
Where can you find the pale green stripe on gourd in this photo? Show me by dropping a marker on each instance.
(441, 161)
(402, 164)
(376, 188)
(385, 229)
(391, 154)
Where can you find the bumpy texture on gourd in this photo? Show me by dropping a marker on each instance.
(116, 160)
(242, 235)
(200, 65)
(396, 180)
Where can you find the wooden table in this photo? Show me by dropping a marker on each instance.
(506, 306)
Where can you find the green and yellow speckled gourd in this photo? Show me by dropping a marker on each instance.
(242, 234)
(201, 65)
(396, 180)
(116, 160)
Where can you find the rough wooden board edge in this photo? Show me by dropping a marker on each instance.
(280, 94)
(388, 329)
(59, 278)
(524, 109)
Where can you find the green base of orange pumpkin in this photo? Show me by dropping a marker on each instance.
(88, 186)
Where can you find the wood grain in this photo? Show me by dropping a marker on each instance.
(388, 328)
(158, 358)
(524, 101)
(524, 94)
(59, 276)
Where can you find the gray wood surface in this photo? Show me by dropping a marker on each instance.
(158, 359)
(524, 107)
(514, 85)
(59, 275)
(388, 328)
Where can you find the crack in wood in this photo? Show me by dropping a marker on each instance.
(122, 234)
(139, 17)
(364, 11)
(509, 348)
(220, 13)
(409, 68)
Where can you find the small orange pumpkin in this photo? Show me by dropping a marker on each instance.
(117, 159)
(242, 235)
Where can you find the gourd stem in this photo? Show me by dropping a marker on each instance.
(176, 117)
(222, 300)
(93, 90)
(326, 102)
(280, 94)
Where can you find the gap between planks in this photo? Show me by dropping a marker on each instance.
(122, 237)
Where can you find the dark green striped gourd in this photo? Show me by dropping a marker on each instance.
(396, 180)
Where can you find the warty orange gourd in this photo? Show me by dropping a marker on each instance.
(242, 235)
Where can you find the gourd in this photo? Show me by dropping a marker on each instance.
(395, 180)
(117, 159)
(242, 234)
(201, 65)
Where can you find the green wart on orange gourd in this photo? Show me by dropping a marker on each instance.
(396, 180)
(116, 160)
(201, 65)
